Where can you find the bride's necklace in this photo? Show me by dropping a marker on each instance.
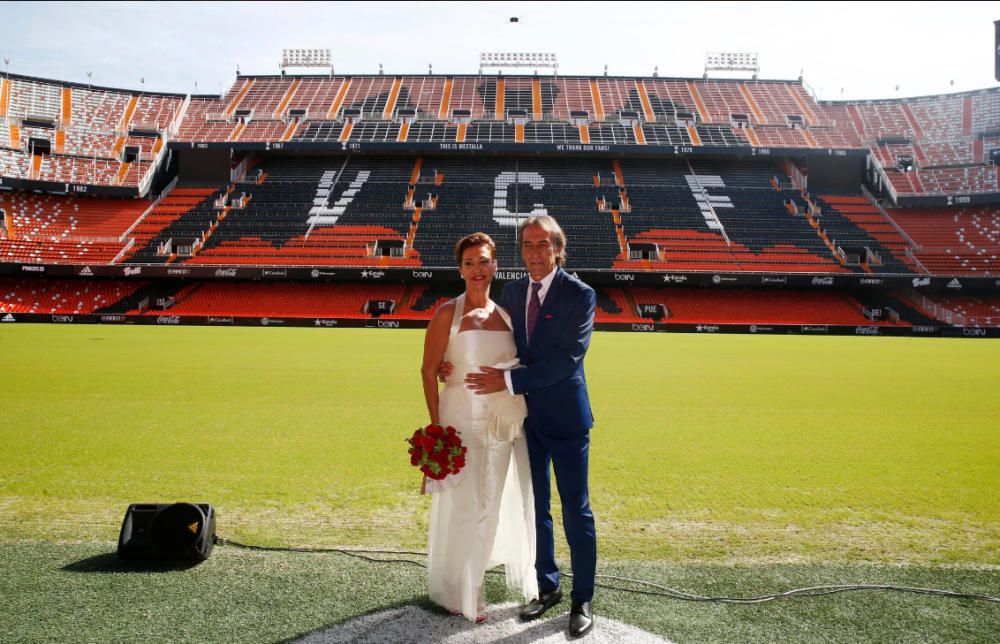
(479, 313)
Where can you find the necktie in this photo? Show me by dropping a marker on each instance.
(534, 305)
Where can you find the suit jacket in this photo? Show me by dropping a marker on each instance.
(552, 379)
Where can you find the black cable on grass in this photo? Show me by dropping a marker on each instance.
(814, 591)
(659, 591)
(359, 554)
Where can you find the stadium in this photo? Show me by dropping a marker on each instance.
(715, 216)
(877, 215)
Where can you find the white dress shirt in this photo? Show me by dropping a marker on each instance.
(546, 282)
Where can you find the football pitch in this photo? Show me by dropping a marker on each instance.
(756, 453)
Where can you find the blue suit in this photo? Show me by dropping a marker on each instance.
(559, 420)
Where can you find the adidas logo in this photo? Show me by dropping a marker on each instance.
(954, 283)
(8, 318)
(86, 271)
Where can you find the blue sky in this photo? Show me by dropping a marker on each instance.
(865, 48)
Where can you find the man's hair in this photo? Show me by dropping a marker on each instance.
(475, 239)
(556, 234)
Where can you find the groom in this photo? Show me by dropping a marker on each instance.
(553, 320)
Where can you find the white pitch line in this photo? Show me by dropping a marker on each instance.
(414, 624)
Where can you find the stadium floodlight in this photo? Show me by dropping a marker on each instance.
(306, 58)
(996, 47)
(732, 62)
(517, 59)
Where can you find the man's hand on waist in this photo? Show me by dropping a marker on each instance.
(487, 381)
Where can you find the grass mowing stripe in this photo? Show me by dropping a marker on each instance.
(742, 450)
(721, 448)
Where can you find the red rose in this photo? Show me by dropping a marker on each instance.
(437, 451)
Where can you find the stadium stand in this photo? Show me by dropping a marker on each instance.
(64, 132)
(59, 230)
(279, 299)
(65, 297)
(716, 216)
(407, 211)
(418, 302)
(956, 241)
(852, 221)
(742, 306)
(388, 171)
(88, 128)
(945, 136)
(259, 108)
(981, 311)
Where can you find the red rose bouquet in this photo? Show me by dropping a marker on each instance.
(437, 451)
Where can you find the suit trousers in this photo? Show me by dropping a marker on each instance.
(569, 457)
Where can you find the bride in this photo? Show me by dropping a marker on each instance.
(484, 515)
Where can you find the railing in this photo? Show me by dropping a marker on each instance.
(175, 124)
(121, 254)
(156, 203)
(147, 178)
(939, 312)
(916, 260)
(885, 215)
(238, 173)
(887, 184)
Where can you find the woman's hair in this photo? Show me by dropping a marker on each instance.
(475, 239)
(556, 235)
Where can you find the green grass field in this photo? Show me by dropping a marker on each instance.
(723, 453)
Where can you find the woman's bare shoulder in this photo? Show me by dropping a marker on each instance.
(443, 312)
(447, 307)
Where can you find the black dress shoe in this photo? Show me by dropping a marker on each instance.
(581, 619)
(537, 607)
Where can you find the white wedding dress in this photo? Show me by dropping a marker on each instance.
(484, 516)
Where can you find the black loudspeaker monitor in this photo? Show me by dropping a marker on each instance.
(167, 531)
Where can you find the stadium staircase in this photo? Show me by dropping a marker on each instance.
(185, 214)
(851, 221)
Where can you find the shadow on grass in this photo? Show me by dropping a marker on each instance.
(410, 622)
(316, 633)
(111, 563)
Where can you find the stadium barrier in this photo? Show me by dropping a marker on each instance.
(920, 283)
(389, 323)
(60, 188)
(416, 147)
